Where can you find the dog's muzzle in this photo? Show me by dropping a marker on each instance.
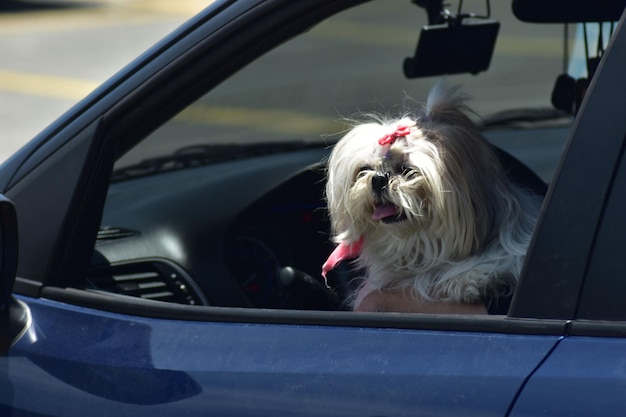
(384, 210)
(380, 182)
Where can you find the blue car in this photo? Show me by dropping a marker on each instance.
(161, 243)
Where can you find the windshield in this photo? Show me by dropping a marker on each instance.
(352, 63)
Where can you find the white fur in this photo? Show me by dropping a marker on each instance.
(465, 228)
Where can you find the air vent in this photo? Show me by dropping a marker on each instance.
(151, 280)
(108, 233)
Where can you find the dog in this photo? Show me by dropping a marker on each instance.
(422, 204)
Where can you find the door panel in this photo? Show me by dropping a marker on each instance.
(584, 376)
(139, 366)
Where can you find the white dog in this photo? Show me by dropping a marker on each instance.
(423, 205)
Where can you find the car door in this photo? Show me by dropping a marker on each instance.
(101, 354)
(75, 360)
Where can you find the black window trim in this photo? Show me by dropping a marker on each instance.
(161, 310)
(133, 306)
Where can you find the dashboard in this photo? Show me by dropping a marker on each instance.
(245, 233)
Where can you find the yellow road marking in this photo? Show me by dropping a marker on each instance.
(45, 85)
(97, 16)
(178, 7)
(523, 46)
(365, 33)
(271, 120)
(53, 22)
(385, 35)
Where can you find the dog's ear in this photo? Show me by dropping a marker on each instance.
(443, 99)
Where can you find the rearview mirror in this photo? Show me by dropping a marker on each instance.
(452, 43)
(453, 48)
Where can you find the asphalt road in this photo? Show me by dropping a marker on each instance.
(53, 53)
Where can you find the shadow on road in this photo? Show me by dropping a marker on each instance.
(25, 6)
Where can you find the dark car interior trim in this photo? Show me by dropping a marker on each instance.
(153, 279)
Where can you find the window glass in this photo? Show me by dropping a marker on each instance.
(217, 225)
(353, 64)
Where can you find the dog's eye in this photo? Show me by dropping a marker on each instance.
(362, 171)
(409, 173)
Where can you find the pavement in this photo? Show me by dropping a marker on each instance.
(48, 50)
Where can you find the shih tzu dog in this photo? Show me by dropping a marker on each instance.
(423, 205)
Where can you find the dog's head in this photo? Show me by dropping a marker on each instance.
(429, 176)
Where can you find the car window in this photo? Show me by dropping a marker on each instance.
(224, 225)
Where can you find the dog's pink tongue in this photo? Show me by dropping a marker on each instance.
(383, 211)
(342, 252)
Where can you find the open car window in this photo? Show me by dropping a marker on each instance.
(213, 206)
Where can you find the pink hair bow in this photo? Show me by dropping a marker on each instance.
(386, 141)
(390, 138)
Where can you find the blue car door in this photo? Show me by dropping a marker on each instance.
(75, 361)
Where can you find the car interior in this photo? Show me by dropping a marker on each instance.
(223, 205)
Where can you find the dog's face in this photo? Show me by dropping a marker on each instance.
(434, 182)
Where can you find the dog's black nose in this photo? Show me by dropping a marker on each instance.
(380, 182)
